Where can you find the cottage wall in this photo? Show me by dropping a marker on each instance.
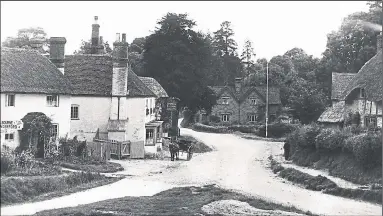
(232, 108)
(26, 103)
(364, 107)
(136, 112)
(151, 101)
(93, 114)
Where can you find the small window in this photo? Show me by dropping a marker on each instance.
(149, 136)
(225, 117)
(252, 118)
(370, 121)
(225, 100)
(10, 100)
(158, 135)
(151, 110)
(54, 130)
(253, 101)
(53, 100)
(362, 93)
(9, 137)
(74, 112)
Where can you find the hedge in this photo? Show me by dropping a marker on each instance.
(331, 139)
(211, 129)
(276, 130)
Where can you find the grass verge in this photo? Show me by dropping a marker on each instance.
(321, 183)
(198, 146)
(35, 188)
(91, 165)
(186, 201)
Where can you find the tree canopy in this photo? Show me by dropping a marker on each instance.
(24, 37)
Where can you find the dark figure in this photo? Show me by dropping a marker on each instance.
(286, 148)
(174, 151)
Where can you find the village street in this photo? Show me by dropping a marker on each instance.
(236, 163)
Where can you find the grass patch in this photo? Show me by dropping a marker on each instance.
(91, 165)
(186, 201)
(321, 183)
(23, 189)
(198, 146)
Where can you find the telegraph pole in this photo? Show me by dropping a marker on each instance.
(267, 95)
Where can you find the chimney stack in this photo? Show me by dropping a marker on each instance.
(57, 52)
(95, 32)
(238, 84)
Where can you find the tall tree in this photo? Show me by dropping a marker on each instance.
(223, 39)
(247, 57)
(24, 36)
(179, 58)
(136, 49)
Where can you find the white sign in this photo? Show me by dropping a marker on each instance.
(11, 126)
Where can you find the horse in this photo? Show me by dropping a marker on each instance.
(174, 149)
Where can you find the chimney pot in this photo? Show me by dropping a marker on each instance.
(123, 37)
(238, 84)
(95, 20)
(117, 37)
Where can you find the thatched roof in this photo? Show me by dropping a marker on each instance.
(27, 71)
(154, 86)
(340, 82)
(92, 75)
(370, 78)
(274, 95)
(334, 114)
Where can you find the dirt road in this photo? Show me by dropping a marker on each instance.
(240, 164)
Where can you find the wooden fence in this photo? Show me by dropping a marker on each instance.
(99, 149)
(120, 149)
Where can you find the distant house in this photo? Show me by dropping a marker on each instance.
(335, 115)
(30, 82)
(109, 98)
(361, 93)
(245, 104)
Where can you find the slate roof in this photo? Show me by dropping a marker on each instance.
(92, 75)
(27, 71)
(370, 78)
(274, 94)
(154, 86)
(333, 114)
(339, 84)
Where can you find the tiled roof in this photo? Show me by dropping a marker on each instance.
(333, 114)
(339, 84)
(274, 95)
(27, 71)
(370, 78)
(92, 75)
(154, 86)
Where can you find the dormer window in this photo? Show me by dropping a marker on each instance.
(253, 101)
(225, 100)
(362, 93)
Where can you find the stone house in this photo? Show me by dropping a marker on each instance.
(245, 104)
(30, 82)
(361, 92)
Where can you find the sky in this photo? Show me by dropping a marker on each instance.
(273, 27)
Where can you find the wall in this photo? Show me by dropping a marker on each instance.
(363, 107)
(136, 126)
(247, 107)
(93, 114)
(231, 108)
(25, 103)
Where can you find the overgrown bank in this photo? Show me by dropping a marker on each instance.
(321, 183)
(349, 154)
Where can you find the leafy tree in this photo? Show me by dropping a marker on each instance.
(85, 48)
(24, 37)
(136, 49)
(223, 40)
(247, 57)
(179, 58)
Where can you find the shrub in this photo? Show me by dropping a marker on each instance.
(331, 139)
(367, 148)
(307, 135)
(354, 129)
(276, 130)
(212, 129)
(25, 160)
(243, 128)
(7, 160)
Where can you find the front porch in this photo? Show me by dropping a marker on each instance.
(154, 134)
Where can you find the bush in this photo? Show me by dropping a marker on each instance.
(276, 130)
(243, 128)
(211, 129)
(367, 148)
(7, 160)
(331, 140)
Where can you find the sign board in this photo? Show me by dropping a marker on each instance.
(11, 126)
(172, 106)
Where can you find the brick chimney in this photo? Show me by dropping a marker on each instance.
(119, 78)
(95, 32)
(57, 52)
(238, 84)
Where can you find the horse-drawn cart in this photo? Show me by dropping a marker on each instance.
(180, 145)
